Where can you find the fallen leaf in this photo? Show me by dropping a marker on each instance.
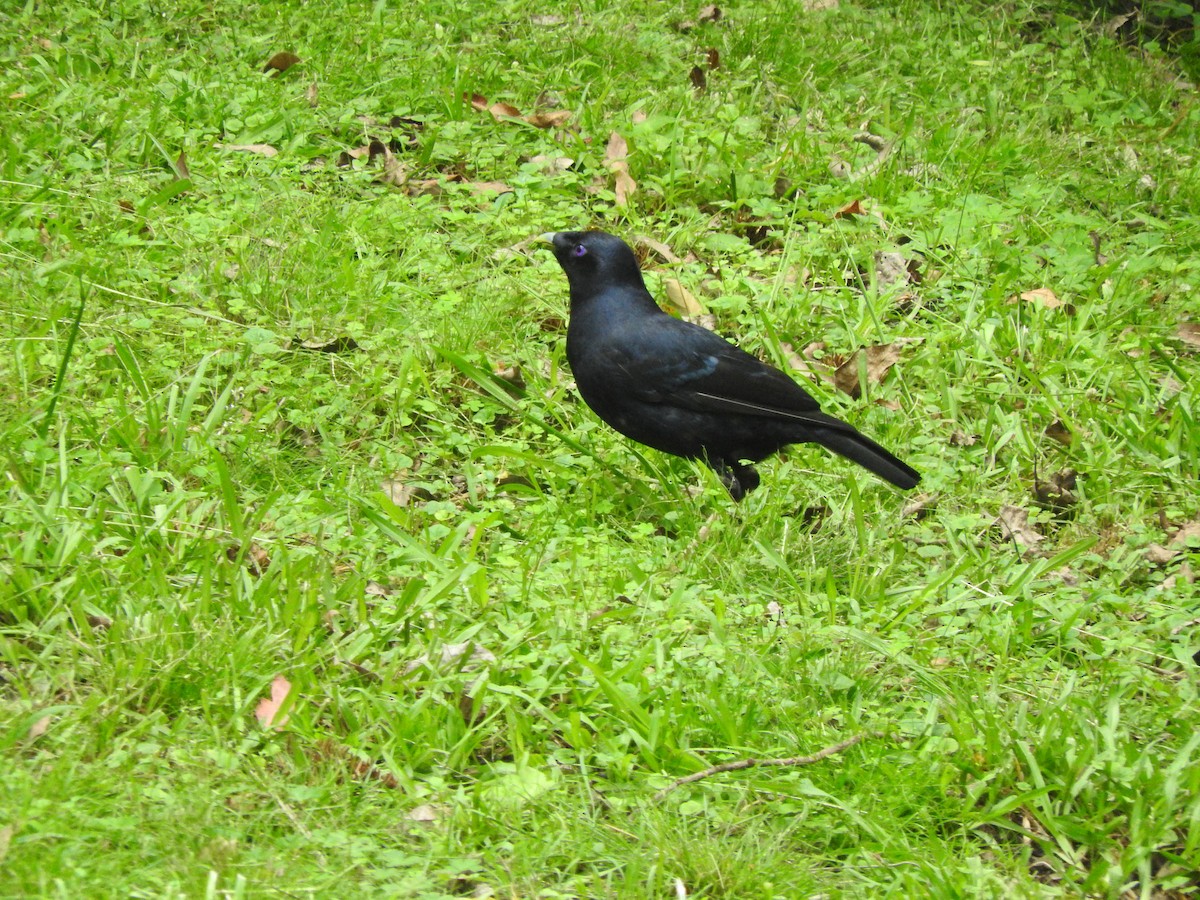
(919, 506)
(1189, 333)
(616, 156)
(393, 172)
(1113, 25)
(639, 116)
(257, 559)
(551, 119)
(477, 101)
(1041, 296)
(1183, 576)
(466, 656)
(488, 187)
(892, 268)
(547, 21)
(1057, 431)
(552, 165)
(40, 727)
(962, 439)
(511, 375)
(681, 299)
(424, 813)
(710, 14)
(260, 149)
(664, 252)
(713, 56)
(181, 167)
(501, 111)
(850, 210)
(404, 493)
(1158, 555)
(699, 79)
(267, 711)
(281, 62)
(331, 345)
(1058, 492)
(878, 359)
(807, 361)
(311, 94)
(819, 5)
(1014, 522)
(1188, 534)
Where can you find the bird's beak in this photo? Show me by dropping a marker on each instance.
(548, 237)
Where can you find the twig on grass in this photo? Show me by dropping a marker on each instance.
(751, 763)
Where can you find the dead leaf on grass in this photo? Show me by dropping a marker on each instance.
(552, 165)
(1043, 297)
(710, 13)
(1057, 431)
(182, 171)
(616, 155)
(549, 119)
(40, 727)
(641, 241)
(681, 299)
(403, 492)
(1158, 555)
(819, 5)
(260, 149)
(699, 79)
(466, 656)
(713, 56)
(1058, 492)
(268, 710)
(311, 94)
(895, 268)
(1189, 333)
(1014, 523)
(806, 361)
(919, 506)
(281, 62)
(878, 360)
(393, 172)
(425, 814)
(546, 21)
(850, 210)
(342, 344)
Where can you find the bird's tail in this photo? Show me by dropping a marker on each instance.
(868, 454)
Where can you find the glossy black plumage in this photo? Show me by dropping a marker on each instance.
(680, 388)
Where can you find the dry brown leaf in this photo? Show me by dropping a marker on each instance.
(511, 375)
(550, 119)
(1158, 555)
(281, 62)
(403, 493)
(850, 210)
(393, 172)
(699, 79)
(639, 116)
(344, 344)
(181, 167)
(1041, 296)
(819, 5)
(878, 359)
(38, 728)
(713, 56)
(807, 362)
(962, 439)
(658, 247)
(1057, 431)
(1189, 333)
(919, 506)
(892, 268)
(260, 149)
(502, 111)
(1014, 522)
(425, 814)
(547, 21)
(488, 187)
(1058, 492)
(267, 711)
(552, 165)
(477, 101)
(615, 155)
(1187, 534)
(710, 14)
(681, 299)
(311, 94)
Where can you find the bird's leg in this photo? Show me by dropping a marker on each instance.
(738, 479)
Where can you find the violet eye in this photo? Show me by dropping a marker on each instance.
(579, 250)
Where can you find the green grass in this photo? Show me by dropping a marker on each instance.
(194, 504)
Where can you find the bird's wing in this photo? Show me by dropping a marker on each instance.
(687, 366)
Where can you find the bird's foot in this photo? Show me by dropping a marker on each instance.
(738, 479)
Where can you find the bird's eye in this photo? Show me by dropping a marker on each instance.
(579, 250)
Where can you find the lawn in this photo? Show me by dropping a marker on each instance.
(318, 579)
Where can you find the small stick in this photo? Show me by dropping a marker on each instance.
(751, 763)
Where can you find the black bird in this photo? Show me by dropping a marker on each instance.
(680, 388)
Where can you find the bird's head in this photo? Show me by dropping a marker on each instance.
(594, 260)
